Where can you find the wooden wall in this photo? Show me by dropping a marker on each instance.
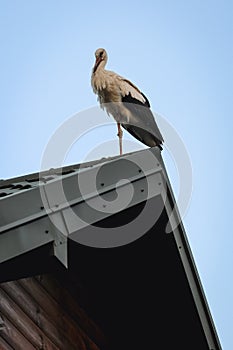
(41, 313)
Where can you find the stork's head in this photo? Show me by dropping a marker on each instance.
(101, 59)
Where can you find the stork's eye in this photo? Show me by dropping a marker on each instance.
(101, 53)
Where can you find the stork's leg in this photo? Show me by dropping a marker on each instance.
(120, 133)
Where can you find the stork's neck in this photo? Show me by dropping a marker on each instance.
(99, 67)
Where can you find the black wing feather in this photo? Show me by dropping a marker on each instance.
(143, 126)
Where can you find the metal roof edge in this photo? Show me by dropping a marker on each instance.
(47, 234)
(191, 271)
(63, 170)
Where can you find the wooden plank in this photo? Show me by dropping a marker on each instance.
(4, 345)
(29, 306)
(70, 304)
(23, 323)
(12, 336)
(57, 315)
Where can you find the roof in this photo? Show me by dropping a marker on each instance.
(29, 181)
(65, 214)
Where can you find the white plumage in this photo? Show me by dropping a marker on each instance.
(125, 102)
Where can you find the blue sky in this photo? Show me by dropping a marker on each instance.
(179, 53)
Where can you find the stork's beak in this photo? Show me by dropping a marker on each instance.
(97, 62)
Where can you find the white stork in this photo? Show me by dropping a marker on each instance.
(125, 102)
